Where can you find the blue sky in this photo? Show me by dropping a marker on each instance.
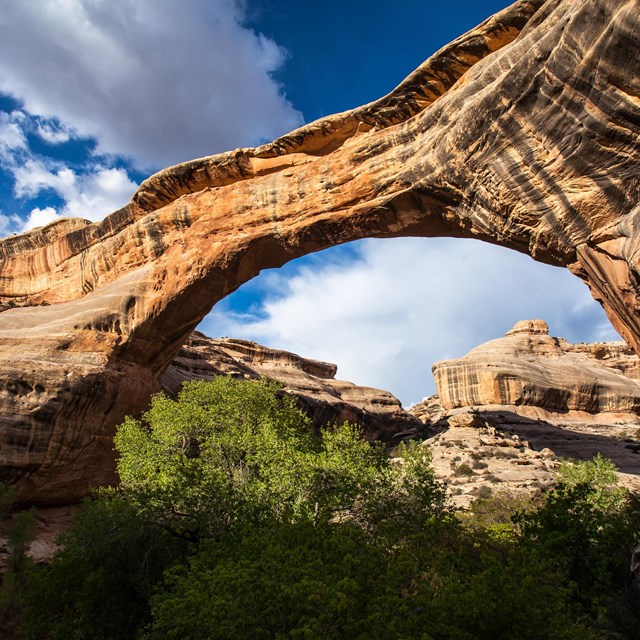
(97, 94)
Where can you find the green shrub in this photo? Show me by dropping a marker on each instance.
(463, 470)
(235, 520)
(19, 529)
(99, 584)
(285, 581)
(588, 528)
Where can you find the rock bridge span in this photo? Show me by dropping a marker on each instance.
(524, 132)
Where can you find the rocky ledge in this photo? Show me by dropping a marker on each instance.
(508, 411)
(313, 383)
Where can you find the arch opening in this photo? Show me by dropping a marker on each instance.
(523, 132)
(385, 310)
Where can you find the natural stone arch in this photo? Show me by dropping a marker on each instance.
(523, 132)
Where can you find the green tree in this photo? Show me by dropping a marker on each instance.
(333, 581)
(284, 581)
(234, 519)
(600, 475)
(18, 528)
(224, 466)
(231, 452)
(588, 527)
(98, 585)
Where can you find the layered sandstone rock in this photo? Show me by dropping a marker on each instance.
(512, 408)
(529, 367)
(523, 132)
(313, 383)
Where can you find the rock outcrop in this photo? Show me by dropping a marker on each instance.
(529, 367)
(483, 450)
(313, 383)
(509, 410)
(523, 132)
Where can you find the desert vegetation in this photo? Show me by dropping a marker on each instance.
(234, 519)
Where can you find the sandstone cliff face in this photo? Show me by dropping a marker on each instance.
(509, 410)
(529, 367)
(522, 132)
(313, 383)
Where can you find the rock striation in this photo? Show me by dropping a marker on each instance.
(508, 411)
(313, 383)
(529, 367)
(523, 132)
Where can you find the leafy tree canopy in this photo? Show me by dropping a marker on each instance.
(231, 452)
(234, 519)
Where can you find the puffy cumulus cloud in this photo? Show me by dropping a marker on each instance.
(404, 304)
(153, 80)
(39, 218)
(89, 195)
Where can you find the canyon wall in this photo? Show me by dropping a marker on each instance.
(313, 384)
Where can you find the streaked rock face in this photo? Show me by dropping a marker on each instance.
(313, 383)
(510, 409)
(523, 132)
(529, 367)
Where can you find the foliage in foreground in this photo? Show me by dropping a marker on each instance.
(235, 520)
(18, 531)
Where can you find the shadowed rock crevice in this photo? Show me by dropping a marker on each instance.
(523, 132)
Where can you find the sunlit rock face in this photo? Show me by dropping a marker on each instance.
(508, 411)
(524, 132)
(529, 367)
(311, 382)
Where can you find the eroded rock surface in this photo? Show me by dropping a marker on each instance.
(312, 382)
(478, 451)
(529, 367)
(523, 132)
(512, 408)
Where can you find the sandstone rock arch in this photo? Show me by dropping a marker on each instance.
(524, 132)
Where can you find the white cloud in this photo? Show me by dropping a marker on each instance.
(89, 195)
(92, 193)
(40, 217)
(9, 224)
(153, 80)
(406, 303)
(12, 136)
(53, 133)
